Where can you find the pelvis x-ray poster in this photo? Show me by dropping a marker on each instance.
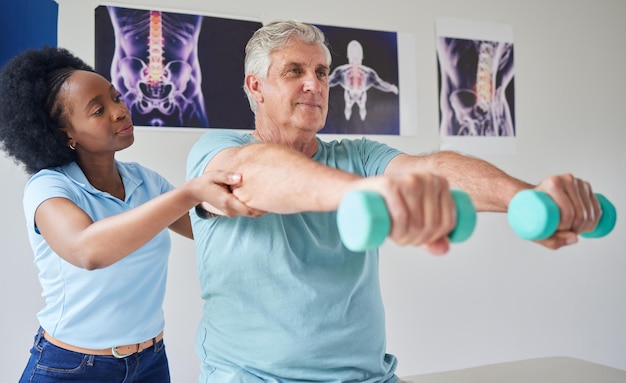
(174, 69)
(476, 86)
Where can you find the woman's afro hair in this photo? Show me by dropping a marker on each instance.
(29, 109)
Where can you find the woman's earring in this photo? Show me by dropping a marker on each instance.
(72, 147)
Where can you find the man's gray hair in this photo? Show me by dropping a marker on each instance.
(274, 36)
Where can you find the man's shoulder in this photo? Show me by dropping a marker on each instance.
(219, 135)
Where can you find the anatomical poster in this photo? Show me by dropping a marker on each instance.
(363, 96)
(175, 70)
(371, 76)
(476, 86)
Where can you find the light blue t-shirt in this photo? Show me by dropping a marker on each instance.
(285, 301)
(116, 305)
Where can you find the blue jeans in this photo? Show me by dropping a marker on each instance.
(49, 363)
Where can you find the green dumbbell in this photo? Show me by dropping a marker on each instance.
(364, 223)
(533, 215)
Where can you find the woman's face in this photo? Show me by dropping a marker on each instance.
(99, 121)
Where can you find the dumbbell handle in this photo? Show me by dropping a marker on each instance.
(534, 215)
(364, 223)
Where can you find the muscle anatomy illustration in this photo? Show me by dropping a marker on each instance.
(356, 79)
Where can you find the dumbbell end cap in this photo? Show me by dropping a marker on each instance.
(465, 216)
(533, 215)
(363, 220)
(607, 220)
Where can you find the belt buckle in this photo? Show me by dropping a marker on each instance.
(121, 356)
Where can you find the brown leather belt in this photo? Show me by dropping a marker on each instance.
(117, 351)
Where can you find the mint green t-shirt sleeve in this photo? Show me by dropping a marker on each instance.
(209, 145)
(364, 157)
(376, 156)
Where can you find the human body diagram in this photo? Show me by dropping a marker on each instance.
(356, 79)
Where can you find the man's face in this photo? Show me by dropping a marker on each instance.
(295, 92)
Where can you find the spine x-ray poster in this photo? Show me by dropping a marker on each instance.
(476, 86)
(175, 69)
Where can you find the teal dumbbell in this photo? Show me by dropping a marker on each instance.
(533, 215)
(364, 223)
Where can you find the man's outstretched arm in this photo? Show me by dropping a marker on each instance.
(492, 189)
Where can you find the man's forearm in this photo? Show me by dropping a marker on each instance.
(491, 188)
(280, 180)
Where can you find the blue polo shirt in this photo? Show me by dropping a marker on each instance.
(116, 305)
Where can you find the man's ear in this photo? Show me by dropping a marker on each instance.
(255, 87)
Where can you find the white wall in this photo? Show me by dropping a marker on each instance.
(494, 298)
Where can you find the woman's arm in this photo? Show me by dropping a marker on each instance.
(72, 234)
